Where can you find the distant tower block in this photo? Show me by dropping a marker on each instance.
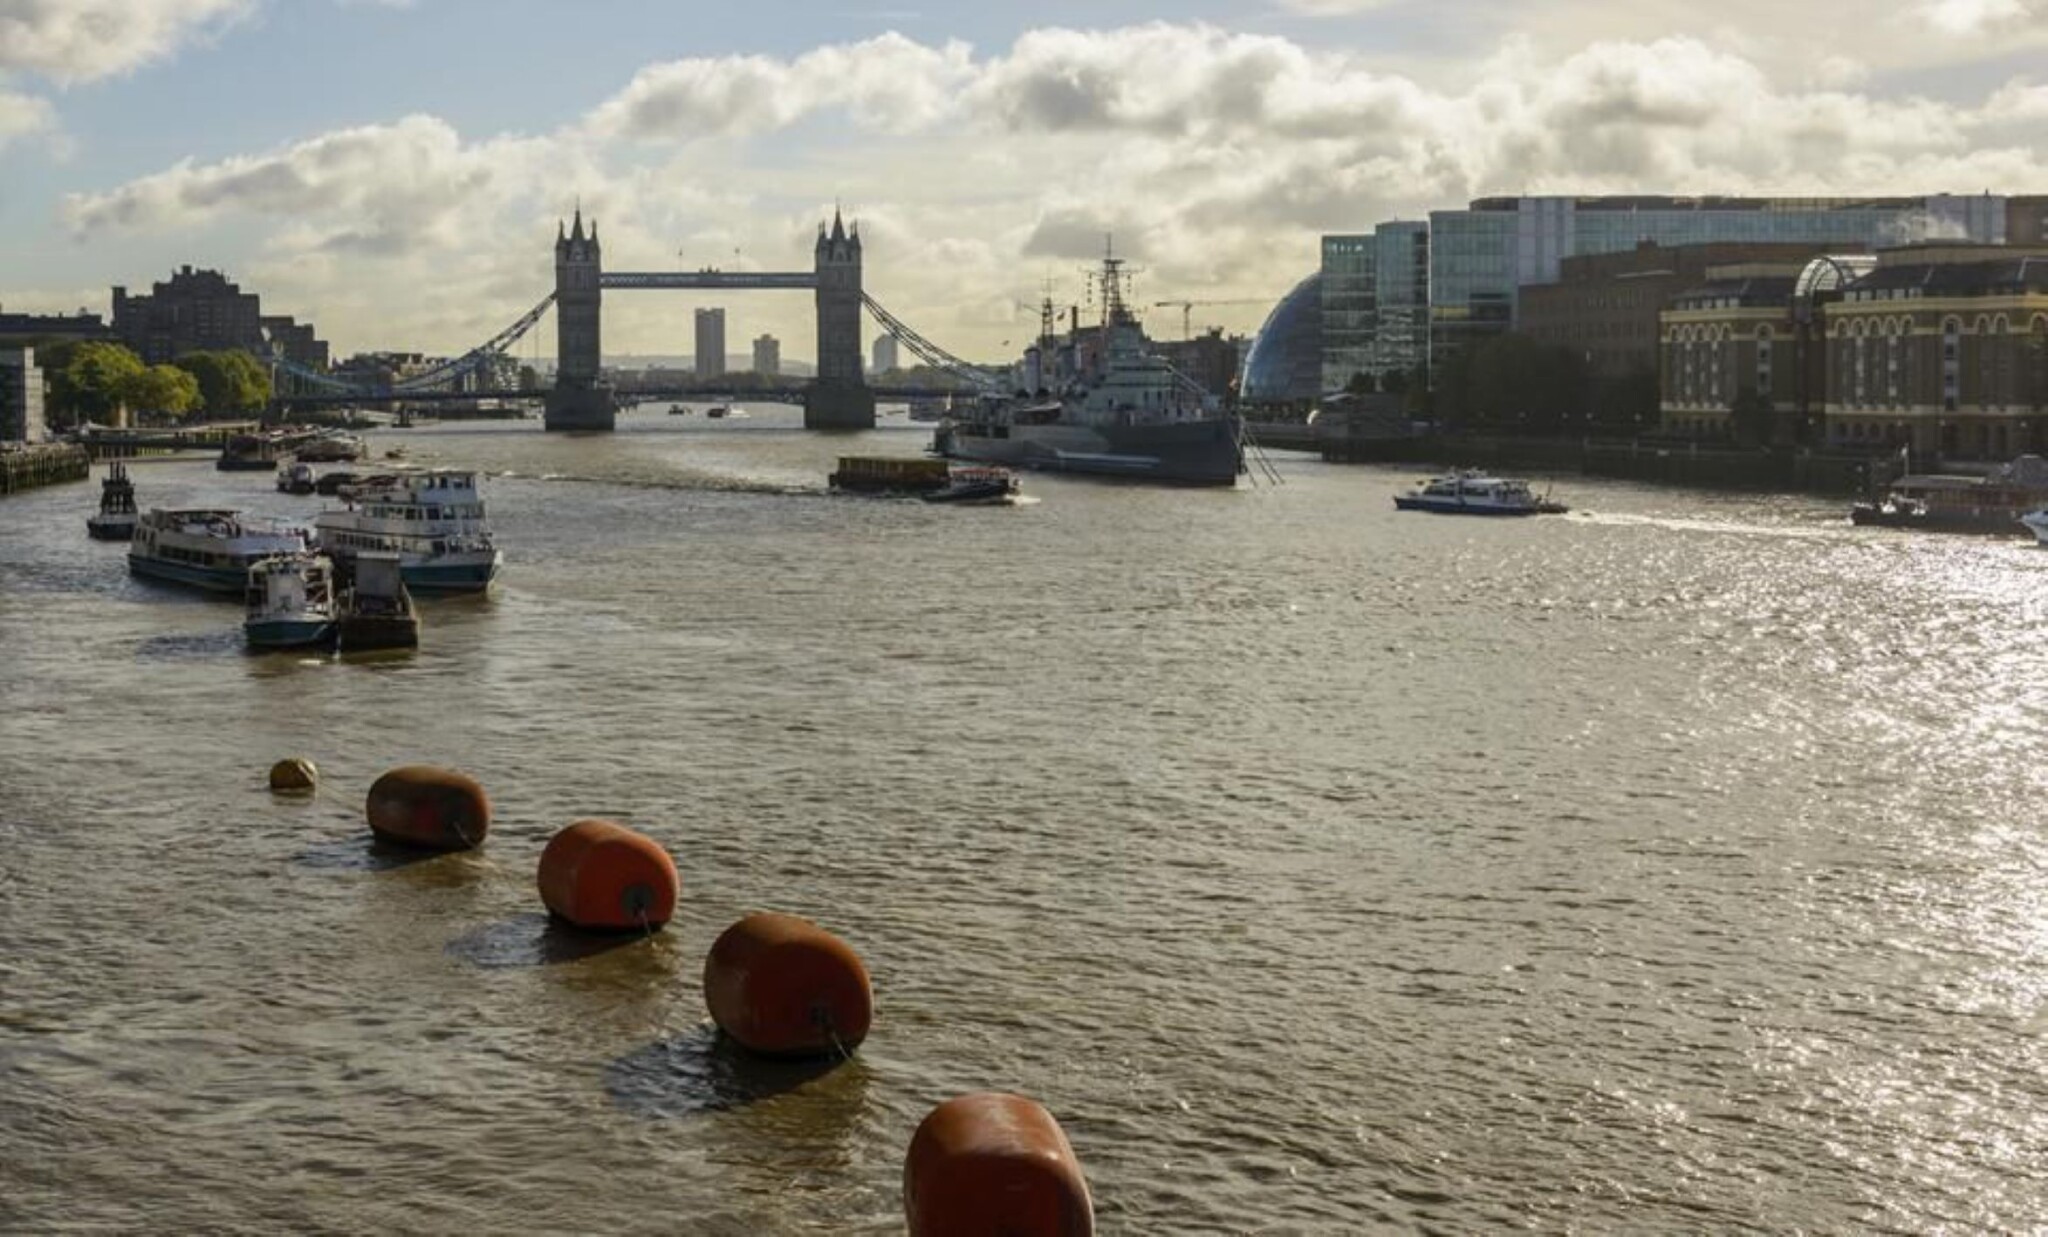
(579, 400)
(839, 398)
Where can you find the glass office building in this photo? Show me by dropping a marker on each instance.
(1285, 361)
(1350, 323)
(1481, 255)
(1375, 302)
(1401, 262)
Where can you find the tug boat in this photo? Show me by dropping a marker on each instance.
(205, 547)
(115, 520)
(977, 487)
(432, 519)
(290, 602)
(1476, 493)
(376, 610)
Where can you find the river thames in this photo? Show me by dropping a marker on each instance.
(1673, 866)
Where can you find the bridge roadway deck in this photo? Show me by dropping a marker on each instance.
(783, 395)
(711, 280)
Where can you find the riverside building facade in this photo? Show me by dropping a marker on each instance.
(1940, 348)
(1375, 302)
(1481, 258)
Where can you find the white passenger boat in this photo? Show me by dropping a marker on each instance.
(2037, 524)
(207, 548)
(291, 602)
(1475, 493)
(432, 519)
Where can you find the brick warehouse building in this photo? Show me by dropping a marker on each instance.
(1605, 306)
(1941, 347)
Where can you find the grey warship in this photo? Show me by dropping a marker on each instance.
(1106, 406)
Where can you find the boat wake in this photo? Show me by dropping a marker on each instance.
(680, 482)
(1695, 525)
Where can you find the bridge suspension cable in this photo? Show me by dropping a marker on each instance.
(477, 356)
(468, 362)
(931, 354)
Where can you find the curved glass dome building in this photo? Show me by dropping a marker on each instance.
(1285, 364)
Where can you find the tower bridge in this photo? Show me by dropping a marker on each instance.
(839, 397)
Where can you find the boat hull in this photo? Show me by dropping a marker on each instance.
(463, 573)
(365, 633)
(104, 528)
(1449, 506)
(450, 577)
(288, 633)
(212, 579)
(1174, 453)
(231, 464)
(1992, 523)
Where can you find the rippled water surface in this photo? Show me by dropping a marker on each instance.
(1673, 866)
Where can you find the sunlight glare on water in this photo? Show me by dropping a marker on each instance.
(1671, 867)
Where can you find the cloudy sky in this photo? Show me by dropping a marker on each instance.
(393, 169)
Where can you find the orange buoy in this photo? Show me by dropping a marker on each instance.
(294, 776)
(992, 1163)
(784, 987)
(429, 807)
(597, 874)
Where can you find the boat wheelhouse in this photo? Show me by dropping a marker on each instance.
(296, 478)
(291, 602)
(432, 519)
(207, 547)
(376, 610)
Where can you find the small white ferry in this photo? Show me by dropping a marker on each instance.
(207, 548)
(1475, 493)
(2037, 523)
(432, 519)
(291, 602)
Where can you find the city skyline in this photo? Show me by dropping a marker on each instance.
(400, 189)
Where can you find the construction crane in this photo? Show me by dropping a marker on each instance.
(1187, 308)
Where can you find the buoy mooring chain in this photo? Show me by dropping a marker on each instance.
(602, 876)
(994, 1163)
(780, 986)
(429, 808)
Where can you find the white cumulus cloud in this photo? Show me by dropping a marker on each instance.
(1215, 156)
(78, 40)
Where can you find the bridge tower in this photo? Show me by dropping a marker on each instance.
(839, 398)
(579, 401)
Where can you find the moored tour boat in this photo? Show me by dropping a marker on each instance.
(209, 548)
(1475, 493)
(290, 602)
(115, 520)
(1960, 502)
(249, 453)
(333, 447)
(433, 520)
